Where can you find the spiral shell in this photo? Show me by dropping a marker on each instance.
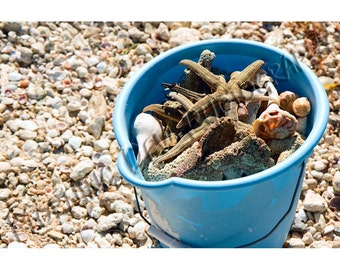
(275, 123)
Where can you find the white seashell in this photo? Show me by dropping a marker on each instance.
(59, 190)
(148, 132)
(61, 125)
(95, 157)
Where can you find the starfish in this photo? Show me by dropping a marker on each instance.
(224, 95)
(222, 92)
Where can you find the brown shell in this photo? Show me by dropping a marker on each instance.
(301, 107)
(275, 124)
(286, 100)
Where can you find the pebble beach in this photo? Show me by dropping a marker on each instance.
(59, 182)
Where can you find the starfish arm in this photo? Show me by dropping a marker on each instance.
(200, 109)
(186, 103)
(164, 111)
(214, 81)
(247, 74)
(186, 92)
(187, 140)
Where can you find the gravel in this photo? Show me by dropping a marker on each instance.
(59, 82)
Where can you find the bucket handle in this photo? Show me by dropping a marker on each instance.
(127, 165)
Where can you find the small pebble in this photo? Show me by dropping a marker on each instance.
(67, 228)
(75, 142)
(107, 222)
(314, 202)
(81, 169)
(336, 183)
(320, 165)
(87, 235)
(78, 212)
(16, 244)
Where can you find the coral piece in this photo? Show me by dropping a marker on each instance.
(281, 149)
(192, 80)
(225, 147)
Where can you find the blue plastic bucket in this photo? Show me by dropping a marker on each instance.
(252, 211)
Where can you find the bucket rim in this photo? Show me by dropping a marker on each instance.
(296, 159)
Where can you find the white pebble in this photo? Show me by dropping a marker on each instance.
(30, 164)
(27, 134)
(82, 169)
(320, 165)
(102, 242)
(14, 76)
(316, 174)
(87, 235)
(4, 193)
(313, 202)
(67, 227)
(87, 150)
(82, 72)
(101, 67)
(107, 222)
(53, 133)
(30, 146)
(296, 243)
(16, 244)
(56, 102)
(28, 125)
(78, 212)
(328, 229)
(95, 212)
(101, 145)
(75, 142)
(13, 125)
(5, 167)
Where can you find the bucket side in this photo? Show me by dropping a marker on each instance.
(235, 217)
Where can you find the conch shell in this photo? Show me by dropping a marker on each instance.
(275, 123)
(148, 132)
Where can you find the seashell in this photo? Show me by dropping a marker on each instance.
(275, 123)
(64, 168)
(61, 125)
(83, 104)
(8, 92)
(22, 97)
(301, 107)
(148, 132)
(286, 100)
(95, 157)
